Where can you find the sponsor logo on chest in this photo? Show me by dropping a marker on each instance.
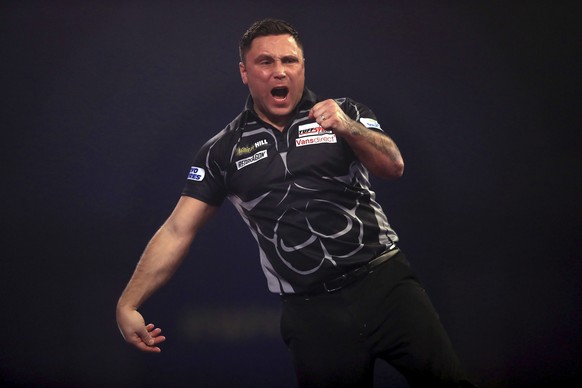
(243, 150)
(313, 133)
(251, 159)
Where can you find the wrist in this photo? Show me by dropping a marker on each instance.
(124, 305)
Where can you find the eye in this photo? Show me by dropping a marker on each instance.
(265, 61)
(290, 60)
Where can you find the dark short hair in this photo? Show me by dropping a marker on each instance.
(266, 27)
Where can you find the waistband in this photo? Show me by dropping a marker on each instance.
(349, 277)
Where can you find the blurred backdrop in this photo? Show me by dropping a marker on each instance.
(104, 103)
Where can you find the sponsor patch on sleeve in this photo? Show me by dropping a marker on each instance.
(196, 174)
(370, 123)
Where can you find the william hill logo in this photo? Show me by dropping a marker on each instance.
(245, 150)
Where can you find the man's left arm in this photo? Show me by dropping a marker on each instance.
(376, 150)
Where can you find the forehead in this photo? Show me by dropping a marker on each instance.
(276, 45)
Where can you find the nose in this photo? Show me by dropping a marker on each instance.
(279, 70)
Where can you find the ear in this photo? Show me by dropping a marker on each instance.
(243, 72)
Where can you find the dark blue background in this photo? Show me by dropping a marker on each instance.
(103, 105)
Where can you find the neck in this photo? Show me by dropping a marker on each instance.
(278, 122)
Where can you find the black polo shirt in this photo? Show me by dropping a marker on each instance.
(302, 192)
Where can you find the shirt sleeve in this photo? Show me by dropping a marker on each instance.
(205, 180)
(362, 114)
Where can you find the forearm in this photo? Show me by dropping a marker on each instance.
(377, 151)
(162, 256)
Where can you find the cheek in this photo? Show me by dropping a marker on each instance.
(262, 84)
(299, 83)
(299, 77)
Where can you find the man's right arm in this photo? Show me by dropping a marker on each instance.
(162, 256)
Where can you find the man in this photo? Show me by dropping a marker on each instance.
(296, 168)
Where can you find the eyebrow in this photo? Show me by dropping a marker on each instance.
(283, 58)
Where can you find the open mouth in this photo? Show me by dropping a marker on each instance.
(280, 93)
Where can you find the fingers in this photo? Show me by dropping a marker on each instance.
(319, 110)
(321, 116)
(151, 336)
(327, 113)
(146, 336)
(148, 339)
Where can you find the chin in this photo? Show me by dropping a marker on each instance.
(281, 111)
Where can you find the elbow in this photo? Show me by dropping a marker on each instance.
(393, 170)
(398, 169)
(387, 168)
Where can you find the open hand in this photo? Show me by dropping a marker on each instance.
(134, 331)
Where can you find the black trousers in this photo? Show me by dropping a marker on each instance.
(336, 337)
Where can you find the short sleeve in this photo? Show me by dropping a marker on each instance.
(205, 180)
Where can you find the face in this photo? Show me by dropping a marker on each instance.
(274, 71)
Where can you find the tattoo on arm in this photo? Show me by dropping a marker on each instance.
(379, 141)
